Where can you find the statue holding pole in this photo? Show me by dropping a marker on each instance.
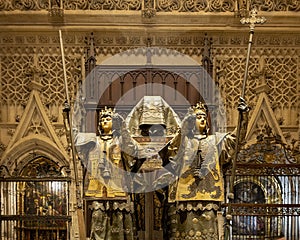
(197, 157)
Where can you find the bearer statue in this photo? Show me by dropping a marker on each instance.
(106, 184)
(197, 158)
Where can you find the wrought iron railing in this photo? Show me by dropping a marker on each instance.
(33, 208)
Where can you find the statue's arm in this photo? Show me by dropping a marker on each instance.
(129, 150)
(170, 150)
(228, 141)
(84, 143)
(244, 109)
(173, 153)
(129, 147)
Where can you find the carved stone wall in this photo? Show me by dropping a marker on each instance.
(277, 70)
(30, 54)
(159, 5)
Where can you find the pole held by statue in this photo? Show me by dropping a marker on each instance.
(73, 153)
(252, 20)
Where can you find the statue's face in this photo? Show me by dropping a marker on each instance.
(201, 120)
(106, 124)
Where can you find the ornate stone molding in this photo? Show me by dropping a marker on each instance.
(24, 5)
(137, 39)
(241, 7)
(148, 10)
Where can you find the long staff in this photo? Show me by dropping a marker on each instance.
(252, 20)
(70, 137)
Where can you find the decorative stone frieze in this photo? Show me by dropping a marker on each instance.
(241, 7)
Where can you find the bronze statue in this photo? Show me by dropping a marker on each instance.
(197, 158)
(108, 157)
(186, 162)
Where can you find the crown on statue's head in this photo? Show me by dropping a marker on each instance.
(106, 112)
(200, 106)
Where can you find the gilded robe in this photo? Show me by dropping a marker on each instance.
(195, 198)
(105, 185)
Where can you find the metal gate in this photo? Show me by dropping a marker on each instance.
(267, 192)
(34, 204)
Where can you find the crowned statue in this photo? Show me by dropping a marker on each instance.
(106, 183)
(186, 165)
(197, 158)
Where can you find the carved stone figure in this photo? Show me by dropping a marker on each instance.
(107, 157)
(197, 159)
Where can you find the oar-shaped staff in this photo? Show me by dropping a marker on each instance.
(70, 138)
(252, 20)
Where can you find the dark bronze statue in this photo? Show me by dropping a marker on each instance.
(106, 184)
(197, 159)
(185, 163)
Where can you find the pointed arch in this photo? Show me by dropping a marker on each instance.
(24, 149)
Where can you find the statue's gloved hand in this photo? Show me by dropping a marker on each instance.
(242, 105)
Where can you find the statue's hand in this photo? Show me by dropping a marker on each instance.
(117, 124)
(188, 124)
(242, 105)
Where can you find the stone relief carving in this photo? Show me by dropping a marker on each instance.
(194, 6)
(77, 40)
(280, 60)
(241, 7)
